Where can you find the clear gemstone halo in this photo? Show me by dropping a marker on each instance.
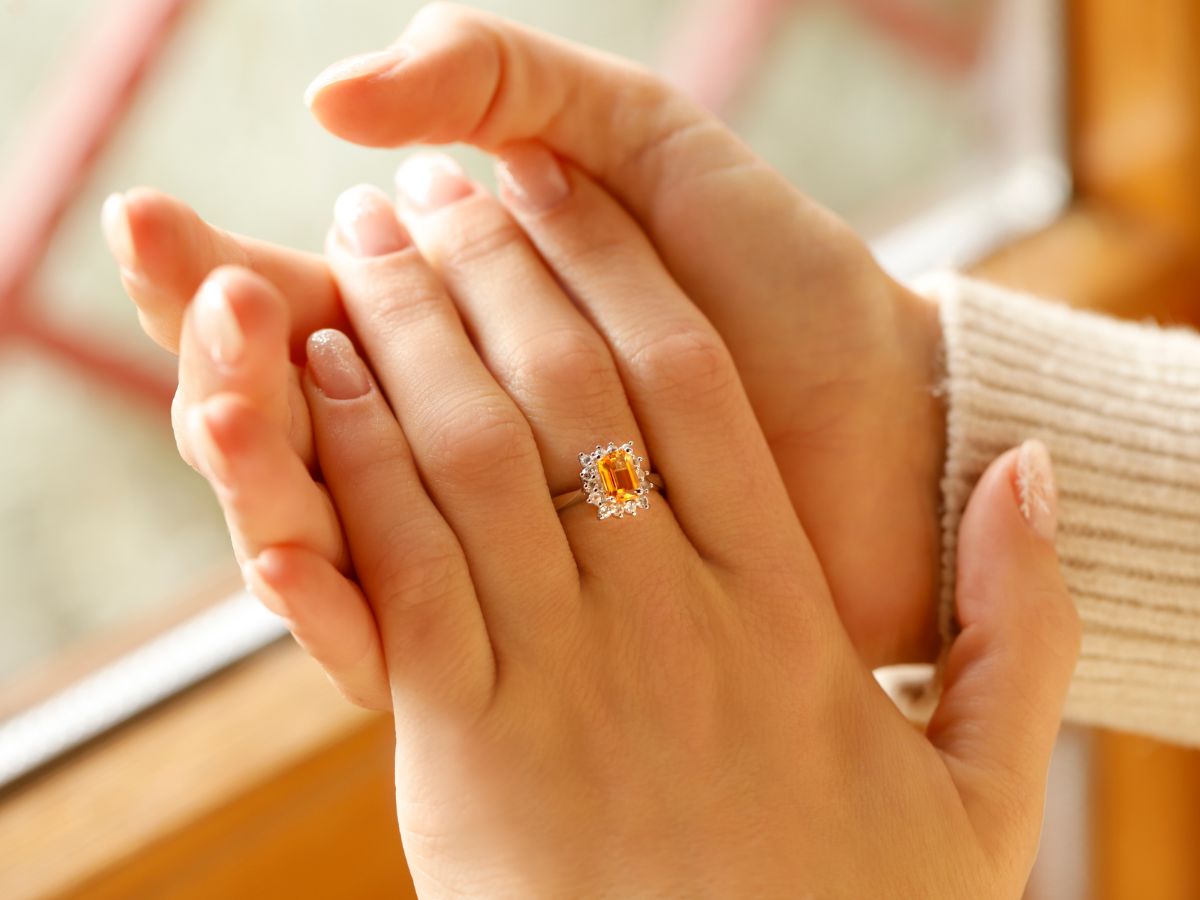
(614, 480)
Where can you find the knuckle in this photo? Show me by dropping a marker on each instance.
(474, 442)
(375, 457)
(644, 90)
(413, 569)
(441, 12)
(398, 304)
(569, 368)
(662, 115)
(475, 233)
(472, 29)
(688, 362)
(584, 252)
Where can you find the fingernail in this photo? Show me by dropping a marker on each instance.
(532, 178)
(1036, 492)
(208, 456)
(367, 223)
(216, 325)
(335, 367)
(114, 220)
(376, 62)
(428, 182)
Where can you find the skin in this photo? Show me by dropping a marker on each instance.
(837, 359)
(660, 706)
(675, 704)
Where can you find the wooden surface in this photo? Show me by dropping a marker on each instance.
(262, 782)
(1097, 258)
(1135, 109)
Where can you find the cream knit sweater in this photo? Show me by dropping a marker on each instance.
(1118, 405)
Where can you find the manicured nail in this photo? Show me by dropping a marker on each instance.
(114, 220)
(376, 62)
(335, 367)
(532, 178)
(429, 181)
(216, 325)
(208, 456)
(1036, 493)
(367, 223)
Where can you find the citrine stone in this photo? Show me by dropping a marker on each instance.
(618, 475)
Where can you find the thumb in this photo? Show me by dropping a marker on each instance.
(1008, 670)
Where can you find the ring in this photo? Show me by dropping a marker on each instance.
(614, 481)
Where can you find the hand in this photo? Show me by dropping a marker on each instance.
(837, 359)
(660, 706)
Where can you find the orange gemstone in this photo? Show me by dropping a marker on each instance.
(618, 475)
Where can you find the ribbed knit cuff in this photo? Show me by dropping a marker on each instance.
(1118, 405)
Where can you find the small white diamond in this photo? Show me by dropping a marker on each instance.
(631, 507)
(644, 502)
(584, 459)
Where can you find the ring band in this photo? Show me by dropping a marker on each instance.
(614, 480)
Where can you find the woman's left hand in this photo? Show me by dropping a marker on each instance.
(663, 705)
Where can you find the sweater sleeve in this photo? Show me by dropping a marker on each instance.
(1118, 405)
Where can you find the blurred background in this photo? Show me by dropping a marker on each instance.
(876, 114)
(949, 131)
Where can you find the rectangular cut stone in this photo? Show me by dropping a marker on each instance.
(618, 475)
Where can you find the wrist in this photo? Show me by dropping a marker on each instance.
(920, 334)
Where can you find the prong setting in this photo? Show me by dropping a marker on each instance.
(615, 480)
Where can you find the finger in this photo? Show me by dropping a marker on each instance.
(408, 560)
(165, 250)
(235, 341)
(266, 492)
(540, 348)
(328, 616)
(1008, 670)
(679, 377)
(473, 447)
(713, 209)
(458, 74)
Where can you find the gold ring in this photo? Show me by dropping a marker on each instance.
(614, 480)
